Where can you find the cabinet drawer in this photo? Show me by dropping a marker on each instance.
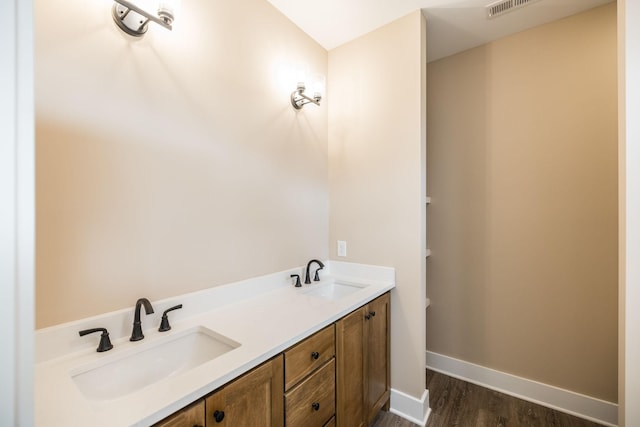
(303, 358)
(312, 402)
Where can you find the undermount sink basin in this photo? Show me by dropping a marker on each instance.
(334, 290)
(126, 373)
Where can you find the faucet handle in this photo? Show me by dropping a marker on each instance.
(316, 278)
(105, 342)
(164, 323)
(297, 276)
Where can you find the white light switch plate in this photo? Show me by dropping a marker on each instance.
(342, 248)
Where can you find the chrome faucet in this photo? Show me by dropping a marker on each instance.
(307, 278)
(136, 334)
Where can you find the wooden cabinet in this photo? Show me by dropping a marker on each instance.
(254, 399)
(191, 416)
(310, 371)
(362, 359)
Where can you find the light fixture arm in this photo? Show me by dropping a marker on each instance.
(122, 8)
(163, 21)
(299, 98)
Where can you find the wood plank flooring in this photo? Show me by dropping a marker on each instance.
(457, 403)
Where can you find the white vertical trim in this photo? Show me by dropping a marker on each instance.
(7, 210)
(25, 189)
(622, 178)
(408, 407)
(17, 212)
(542, 394)
(630, 223)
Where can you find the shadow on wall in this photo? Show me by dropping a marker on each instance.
(459, 226)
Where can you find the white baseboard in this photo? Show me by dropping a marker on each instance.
(408, 407)
(582, 406)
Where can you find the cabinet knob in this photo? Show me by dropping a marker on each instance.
(367, 316)
(372, 313)
(315, 355)
(315, 406)
(218, 416)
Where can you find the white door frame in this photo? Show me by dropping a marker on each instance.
(17, 213)
(629, 212)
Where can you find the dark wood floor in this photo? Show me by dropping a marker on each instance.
(457, 403)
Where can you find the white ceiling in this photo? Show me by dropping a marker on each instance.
(452, 25)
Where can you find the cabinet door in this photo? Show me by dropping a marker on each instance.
(191, 416)
(377, 356)
(254, 399)
(349, 370)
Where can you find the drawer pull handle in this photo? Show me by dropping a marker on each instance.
(315, 355)
(218, 416)
(315, 406)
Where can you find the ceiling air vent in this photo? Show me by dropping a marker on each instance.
(503, 6)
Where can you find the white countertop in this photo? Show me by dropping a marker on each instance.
(265, 315)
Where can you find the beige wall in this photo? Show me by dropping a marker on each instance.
(174, 162)
(376, 165)
(522, 169)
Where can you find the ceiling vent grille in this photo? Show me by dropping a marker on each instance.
(503, 6)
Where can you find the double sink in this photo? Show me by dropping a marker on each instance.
(120, 374)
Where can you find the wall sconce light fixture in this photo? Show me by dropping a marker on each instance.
(299, 98)
(134, 20)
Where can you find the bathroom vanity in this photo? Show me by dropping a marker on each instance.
(274, 355)
(338, 376)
